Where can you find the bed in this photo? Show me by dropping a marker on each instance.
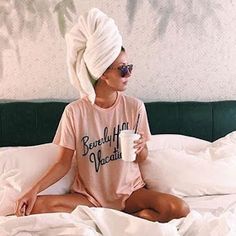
(187, 130)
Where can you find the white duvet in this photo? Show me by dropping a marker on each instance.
(101, 221)
(211, 215)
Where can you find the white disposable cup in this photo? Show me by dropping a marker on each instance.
(127, 138)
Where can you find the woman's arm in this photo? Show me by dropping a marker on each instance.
(25, 204)
(57, 171)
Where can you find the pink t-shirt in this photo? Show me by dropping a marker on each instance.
(93, 132)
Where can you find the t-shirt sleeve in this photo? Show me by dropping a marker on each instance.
(143, 125)
(65, 134)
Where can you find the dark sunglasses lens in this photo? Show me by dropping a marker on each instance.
(124, 70)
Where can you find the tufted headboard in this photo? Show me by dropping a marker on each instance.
(32, 123)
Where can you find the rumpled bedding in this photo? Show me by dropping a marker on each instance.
(212, 213)
(87, 221)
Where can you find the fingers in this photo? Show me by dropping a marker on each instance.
(141, 139)
(29, 208)
(139, 150)
(24, 208)
(20, 208)
(140, 143)
(25, 204)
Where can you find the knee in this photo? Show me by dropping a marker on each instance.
(174, 210)
(178, 209)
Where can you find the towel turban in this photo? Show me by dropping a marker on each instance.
(93, 44)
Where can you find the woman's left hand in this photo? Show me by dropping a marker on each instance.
(140, 143)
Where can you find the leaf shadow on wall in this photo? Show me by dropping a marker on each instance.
(19, 19)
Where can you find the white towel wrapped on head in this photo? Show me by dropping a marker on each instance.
(93, 44)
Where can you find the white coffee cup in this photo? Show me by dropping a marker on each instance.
(127, 138)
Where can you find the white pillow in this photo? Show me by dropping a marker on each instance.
(20, 167)
(192, 170)
(176, 141)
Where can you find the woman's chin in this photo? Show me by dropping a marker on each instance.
(124, 87)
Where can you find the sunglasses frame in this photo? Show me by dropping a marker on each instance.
(124, 69)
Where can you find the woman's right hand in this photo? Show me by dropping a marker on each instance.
(25, 204)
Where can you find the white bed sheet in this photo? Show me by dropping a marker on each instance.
(210, 215)
(215, 204)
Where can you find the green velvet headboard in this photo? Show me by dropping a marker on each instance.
(32, 123)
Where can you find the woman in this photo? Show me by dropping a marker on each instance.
(90, 127)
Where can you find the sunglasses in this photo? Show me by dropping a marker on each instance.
(124, 69)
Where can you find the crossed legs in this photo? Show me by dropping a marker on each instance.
(144, 203)
(155, 206)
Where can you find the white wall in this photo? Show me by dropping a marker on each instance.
(189, 56)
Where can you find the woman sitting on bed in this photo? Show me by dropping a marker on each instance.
(90, 127)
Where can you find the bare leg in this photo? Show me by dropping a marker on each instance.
(59, 203)
(155, 206)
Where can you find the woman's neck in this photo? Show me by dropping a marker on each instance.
(105, 98)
